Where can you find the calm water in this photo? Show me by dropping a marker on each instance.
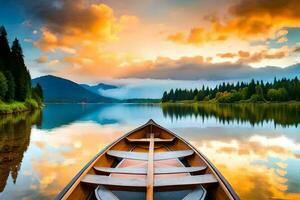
(257, 148)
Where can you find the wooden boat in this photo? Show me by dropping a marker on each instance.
(149, 162)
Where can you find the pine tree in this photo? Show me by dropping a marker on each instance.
(15, 83)
(10, 94)
(3, 86)
(4, 50)
(164, 98)
(37, 93)
(20, 72)
(251, 89)
(171, 95)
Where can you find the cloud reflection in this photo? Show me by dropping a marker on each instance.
(257, 166)
(66, 150)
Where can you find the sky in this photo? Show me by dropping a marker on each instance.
(106, 40)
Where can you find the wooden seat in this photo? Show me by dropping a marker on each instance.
(198, 193)
(124, 170)
(140, 182)
(144, 156)
(102, 193)
(128, 155)
(113, 181)
(185, 180)
(143, 140)
(161, 170)
(176, 170)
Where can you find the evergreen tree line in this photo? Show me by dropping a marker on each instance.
(15, 79)
(254, 91)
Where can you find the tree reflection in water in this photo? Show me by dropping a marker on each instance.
(255, 114)
(14, 139)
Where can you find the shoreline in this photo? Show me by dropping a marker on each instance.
(234, 103)
(19, 107)
(183, 103)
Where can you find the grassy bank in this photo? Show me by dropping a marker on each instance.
(16, 107)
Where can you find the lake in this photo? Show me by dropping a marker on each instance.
(256, 147)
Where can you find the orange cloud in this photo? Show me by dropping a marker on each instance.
(250, 19)
(93, 24)
(243, 54)
(226, 55)
(177, 37)
(83, 36)
(248, 57)
(264, 54)
(42, 59)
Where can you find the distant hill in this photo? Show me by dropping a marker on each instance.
(61, 90)
(100, 86)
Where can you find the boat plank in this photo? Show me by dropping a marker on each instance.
(150, 170)
(128, 155)
(144, 156)
(173, 154)
(113, 181)
(175, 170)
(185, 180)
(143, 171)
(123, 170)
(139, 182)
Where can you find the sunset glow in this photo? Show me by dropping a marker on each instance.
(158, 99)
(94, 40)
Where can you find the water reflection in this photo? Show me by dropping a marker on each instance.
(14, 139)
(64, 151)
(40, 153)
(261, 164)
(280, 114)
(56, 115)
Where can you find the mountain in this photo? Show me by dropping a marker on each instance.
(100, 86)
(61, 90)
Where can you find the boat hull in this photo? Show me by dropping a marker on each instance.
(136, 144)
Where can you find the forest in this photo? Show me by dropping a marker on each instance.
(255, 91)
(16, 91)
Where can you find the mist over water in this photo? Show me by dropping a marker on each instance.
(151, 88)
(154, 88)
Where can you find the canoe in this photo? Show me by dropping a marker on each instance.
(149, 162)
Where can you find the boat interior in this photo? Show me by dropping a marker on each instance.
(149, 163)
